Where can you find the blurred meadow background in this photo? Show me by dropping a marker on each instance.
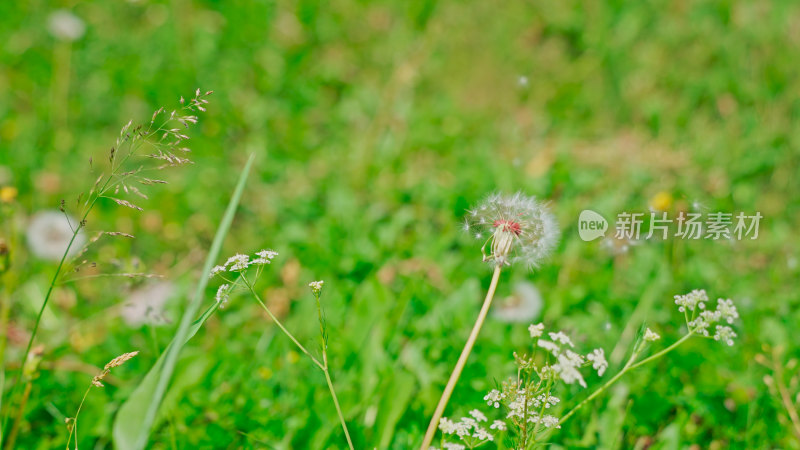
(375, 126)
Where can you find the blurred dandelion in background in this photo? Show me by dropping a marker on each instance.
(65, 26)
(49, 233)
(523, 305)
(145, 305)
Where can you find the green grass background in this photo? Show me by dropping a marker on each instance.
(376, 124)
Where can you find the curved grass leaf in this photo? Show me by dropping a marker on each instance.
(136, 416)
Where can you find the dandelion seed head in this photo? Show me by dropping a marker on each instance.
(522, 229)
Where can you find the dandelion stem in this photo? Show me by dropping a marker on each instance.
(280, 325)
(462, 360)
(630, 365)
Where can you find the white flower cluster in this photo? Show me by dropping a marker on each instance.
(725, 312)
(469, 429)
(239, 262)
(691, 301)
(316, 286)
(223, 294)
(650, 335)
(450, 446)
(536, 330)
(519, 410)
(598, 359)
(568, 362)
(264, 257)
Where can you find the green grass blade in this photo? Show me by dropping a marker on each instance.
(136, 416)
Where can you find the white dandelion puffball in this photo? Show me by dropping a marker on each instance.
(65, 26)
(523, 305)
(49, 234)
(516, 229)
(145, 305)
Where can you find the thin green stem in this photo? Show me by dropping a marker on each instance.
(280, 325)
(15, 385)
(336, 401)
(663, 352)
(462, 361)
(74, 428)
(630, 365)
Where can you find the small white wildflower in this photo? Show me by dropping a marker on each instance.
(650, 335)
(483, 435)
(598, 359)
(725, 334)
(727, 310)
(478, 415)
(264, 257)
(547, 399)
(316, 286)
(561, 338)
(551, 347)
(522, 229)
(238, 262)
(498, 425)
(692, 300)
(447, 426)
(452, 446)
(216, 270)
(493, 398)
(223, 294)
(550, 422)
(267, 254)
(536, 330)
(567, 368)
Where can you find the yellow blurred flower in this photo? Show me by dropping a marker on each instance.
(662, 201)
(8, 194)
